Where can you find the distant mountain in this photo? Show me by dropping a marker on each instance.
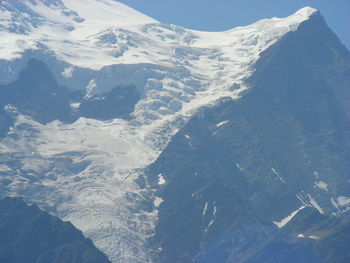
(162, 143)
(30, 235)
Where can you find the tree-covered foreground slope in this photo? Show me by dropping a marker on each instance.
(30, 235)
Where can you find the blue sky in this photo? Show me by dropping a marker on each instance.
(219, 15)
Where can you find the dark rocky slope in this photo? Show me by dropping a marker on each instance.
(29, 235)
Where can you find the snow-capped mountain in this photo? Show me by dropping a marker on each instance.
(93, 91)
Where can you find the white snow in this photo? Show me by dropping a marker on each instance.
(313, 237)
(310, 236)
(90, 89)
(10, 108)
(302, 199)
(278, 175)
(213, 217)
(214, 210)
(209, 225)
(218, 125)
(285, 220)
(315, 204)
(205, 208)
(293, 21)
(161, 179)
(75, 105)
(157, 201)
(68, 72)
(239, 167)
(343, 201)
(321, 185)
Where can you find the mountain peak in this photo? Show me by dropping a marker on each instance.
(306, 11)
(293, 21)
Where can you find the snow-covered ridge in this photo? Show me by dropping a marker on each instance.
(97, 33)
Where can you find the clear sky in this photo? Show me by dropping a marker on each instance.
(219, 15)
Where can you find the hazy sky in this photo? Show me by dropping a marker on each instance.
(219, 15)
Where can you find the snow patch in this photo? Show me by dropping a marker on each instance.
(90, 89)
(11, 109)
(310, 236)
(313, 237)
(340, 203)
(210, 224)
(343, 200)
(68, 72)
(239, 167)
(157, 201)
(285, 220)
(218, 125)
(306, 12)
(75, 105)
(321, 185)
(214, 214)
(205, 208)
(161, 179)
(278, 175)
(315, 204)
(214, 210)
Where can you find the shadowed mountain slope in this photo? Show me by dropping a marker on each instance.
(29, 235)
